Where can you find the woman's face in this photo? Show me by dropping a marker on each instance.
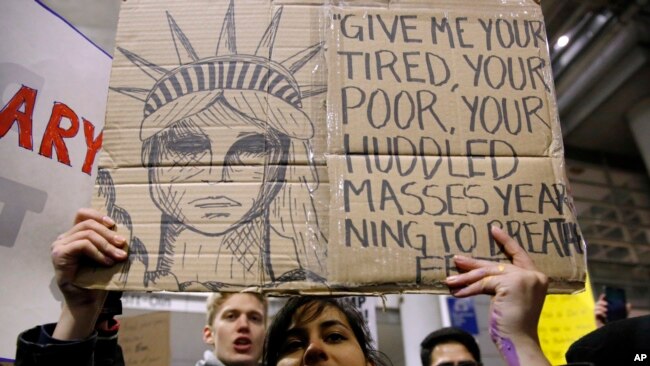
(326, 339)
(229, 164)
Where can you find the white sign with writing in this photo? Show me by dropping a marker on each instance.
(53, 87)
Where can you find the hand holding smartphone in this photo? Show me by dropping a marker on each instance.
(616, 303)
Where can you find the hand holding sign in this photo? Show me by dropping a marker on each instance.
(91, 237)
(518, 291)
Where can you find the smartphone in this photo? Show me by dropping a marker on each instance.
(616, 303)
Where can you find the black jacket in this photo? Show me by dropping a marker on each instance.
(36, 347)
(617, 343)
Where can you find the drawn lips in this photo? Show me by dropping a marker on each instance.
(215, 202)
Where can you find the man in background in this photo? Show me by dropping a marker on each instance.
(450, 347)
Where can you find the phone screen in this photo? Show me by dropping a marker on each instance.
(616, 303)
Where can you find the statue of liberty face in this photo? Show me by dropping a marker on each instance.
(217, 130)
(234, 161)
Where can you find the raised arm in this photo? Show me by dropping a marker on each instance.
(91, 238)
(518, 291)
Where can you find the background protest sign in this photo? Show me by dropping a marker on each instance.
(145, 339)
(331, 148)
(564, 320)
(53, 86)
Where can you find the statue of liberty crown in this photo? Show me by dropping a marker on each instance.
(261, 88)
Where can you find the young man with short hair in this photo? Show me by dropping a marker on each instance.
(235, 327)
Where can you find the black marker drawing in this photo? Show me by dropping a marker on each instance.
(253, 103)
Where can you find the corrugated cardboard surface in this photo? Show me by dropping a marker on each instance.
(145, 339)
(293, 146)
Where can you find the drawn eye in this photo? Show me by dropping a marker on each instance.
(189, 145)
(253, 145)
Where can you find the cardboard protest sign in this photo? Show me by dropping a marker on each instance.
(292, 147)
(53, 86)
(446, 125)
(145, 339)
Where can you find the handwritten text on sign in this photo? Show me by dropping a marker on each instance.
(447, 126)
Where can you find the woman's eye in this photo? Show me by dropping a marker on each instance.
(291, 345)
(335, 338)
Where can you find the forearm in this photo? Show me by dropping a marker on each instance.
(76, 323)
(521, 351)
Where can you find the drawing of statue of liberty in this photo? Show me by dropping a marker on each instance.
(221, 137)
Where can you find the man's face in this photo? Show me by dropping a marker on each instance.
(451, 354)
(237, 331)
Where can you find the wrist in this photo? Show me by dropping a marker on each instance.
(76, 322)
(522, 350)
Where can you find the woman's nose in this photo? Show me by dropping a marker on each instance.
(314, 353)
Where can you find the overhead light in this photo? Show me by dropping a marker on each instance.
(562, 41)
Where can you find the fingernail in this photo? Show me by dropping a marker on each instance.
(108, 221)
(461, 258)
(120, 252)
(458, 291)
(494, 228)
(451, 279)
(119, 239)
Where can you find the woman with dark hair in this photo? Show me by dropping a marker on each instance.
(317, 331)
(309, 330)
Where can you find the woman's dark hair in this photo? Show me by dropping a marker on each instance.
(276, 334)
